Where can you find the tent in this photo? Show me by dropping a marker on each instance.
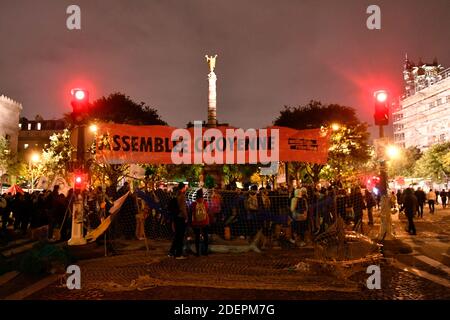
(14, 189)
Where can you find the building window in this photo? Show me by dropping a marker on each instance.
(39, 126)
(7, 137)
(29, 126)
(20, 126)
(25, 146)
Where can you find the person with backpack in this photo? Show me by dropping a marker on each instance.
(178, 211)
(200, 223)
(214, 212)
(252, 206)
(299, 211)
(370, 203)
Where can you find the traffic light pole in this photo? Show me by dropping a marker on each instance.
(77, 237)
(383, 171)
(385, 205)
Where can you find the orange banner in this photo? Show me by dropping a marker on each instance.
(119, 143)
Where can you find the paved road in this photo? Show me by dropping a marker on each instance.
(422, 272)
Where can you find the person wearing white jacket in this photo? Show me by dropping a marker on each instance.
(431, 197)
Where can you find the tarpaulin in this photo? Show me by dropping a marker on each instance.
(120, 143)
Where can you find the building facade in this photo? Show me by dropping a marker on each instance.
(9, 118)
(34, 135)
(422, 116)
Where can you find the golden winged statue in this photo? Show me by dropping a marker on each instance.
(211, 62)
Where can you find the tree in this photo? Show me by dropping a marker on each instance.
(119, 108)
(404, 165)
(5, 154)
(433, 164)
(349, 149)
(57, 155)
(184, 172)
(239, 172)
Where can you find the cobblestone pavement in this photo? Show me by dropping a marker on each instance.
(272, 274)
(233, 276)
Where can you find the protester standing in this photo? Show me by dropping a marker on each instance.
(431, 197)
(178, 210)
(421, 198)
(358, 206)
(299, 211)
(370, 203)
(200, 223)
(443, 195)
(410, 203)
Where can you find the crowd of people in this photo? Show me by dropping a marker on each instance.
(26, 211)
(231, 213)
(412, 203)
(242, 213)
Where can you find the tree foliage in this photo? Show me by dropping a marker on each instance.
(120, 108)
(5, 154)
(57, 155)
(404, 164)
(349, 148)
(434, 163)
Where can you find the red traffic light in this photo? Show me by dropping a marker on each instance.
(381, 115)
(80, 94)
(80, 181)
(381, 96)
(80, 102)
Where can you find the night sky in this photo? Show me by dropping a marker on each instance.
(271, 53)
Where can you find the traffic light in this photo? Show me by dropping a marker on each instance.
(80, 101)
(79, 181)
(381, 108)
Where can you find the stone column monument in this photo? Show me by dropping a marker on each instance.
(212, 171)
(212, 96)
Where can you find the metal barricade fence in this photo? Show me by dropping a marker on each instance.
(233, 215)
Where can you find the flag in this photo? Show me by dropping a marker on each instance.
(94, 234)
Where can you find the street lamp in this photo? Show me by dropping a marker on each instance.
(33, 160)
(93, 128)
(392, 151)
(335, 126)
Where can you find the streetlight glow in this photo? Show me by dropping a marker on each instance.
(335, 126)
(93, 128)
(34, 157)
(392, 151)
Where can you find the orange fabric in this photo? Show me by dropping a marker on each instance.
(119, 143)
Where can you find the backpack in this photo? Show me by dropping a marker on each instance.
(200, 215)
(173, 208)
(300, 212)
(265, 201)
(215, 205)
(252, 202)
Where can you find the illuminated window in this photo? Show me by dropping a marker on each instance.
(29, 126)
(25, 146)
(39, 126)
(20, 126)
